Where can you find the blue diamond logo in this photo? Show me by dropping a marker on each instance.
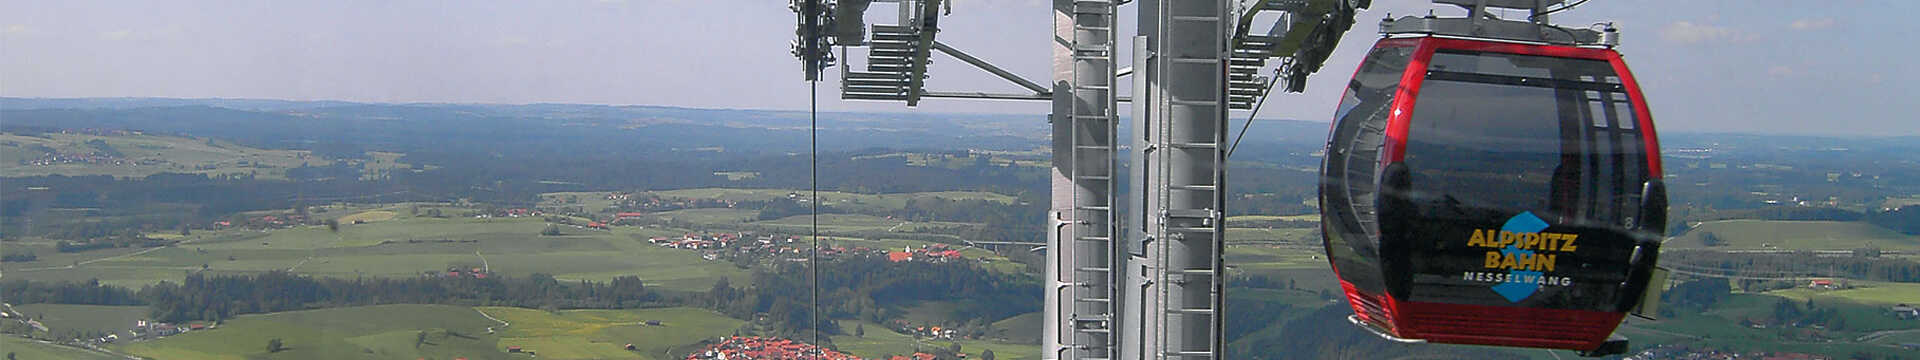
(1520, 284)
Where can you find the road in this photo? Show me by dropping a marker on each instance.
(503, 323)
(131, 254)
(297, 265)
(1883, 333)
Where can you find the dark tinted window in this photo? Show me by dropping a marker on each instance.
(1526, 133)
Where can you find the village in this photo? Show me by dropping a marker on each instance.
(1687, 353)
(773, 348)
(718, 246)
(88, 158)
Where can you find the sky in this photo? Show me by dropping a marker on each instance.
(1749, 66)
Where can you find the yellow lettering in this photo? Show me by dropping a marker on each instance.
(1508, 262)
(1551, 241)
(1493, 259)
(1479, 238)
(1506, 237)
(1545, 262)
(1568, 246)
(1532, 240)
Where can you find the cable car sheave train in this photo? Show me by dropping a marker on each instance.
(1493, 182)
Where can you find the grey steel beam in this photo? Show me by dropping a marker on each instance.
(983, 65)
(984, 95)
(1000, 96)
(1135, 284)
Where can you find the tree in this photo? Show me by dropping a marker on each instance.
(419, 338)
(1709, 239)
(986, 354)
(859, 330)
(333, 225)
(275, 345)
(552, 230)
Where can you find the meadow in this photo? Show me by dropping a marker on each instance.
(152, 154)
(604, 334)
(1794, 235)
(86, 318)
(27, 349)
(393, 243)
(1721, 326)
(1864, 292)
(849, 201)
(371, 332)
(882, 341)
(400, 240)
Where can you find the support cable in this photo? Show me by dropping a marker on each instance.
(1256, 111)
(813, 209)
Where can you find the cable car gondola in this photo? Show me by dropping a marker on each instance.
(1493, 182)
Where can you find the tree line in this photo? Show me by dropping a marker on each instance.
(1864, 265)
(217, 297)
(874, 290)
(869, 289)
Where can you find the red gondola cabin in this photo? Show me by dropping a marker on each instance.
(1493, 191)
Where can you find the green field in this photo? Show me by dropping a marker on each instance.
(87, 318)
(368, 216)
(847, 222)
(402, 246)
(882, 341)
(715, 216)
(371, 332)
(996, 158)
(1263, 235)
(399, 240)
(848, 201)
(588, 200)
(394, 332)
(25, 349)
(1720, 327)
(1307, 217)
(603, 334)
(152, 154)
(1795, 235)
(1260, 258)
(1865, 292)
(1021, 327)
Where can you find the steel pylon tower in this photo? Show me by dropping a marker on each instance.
(1081, 281)
(1147, 284)
(1176, 273)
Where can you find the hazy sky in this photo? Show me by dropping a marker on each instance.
(1828, 67)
